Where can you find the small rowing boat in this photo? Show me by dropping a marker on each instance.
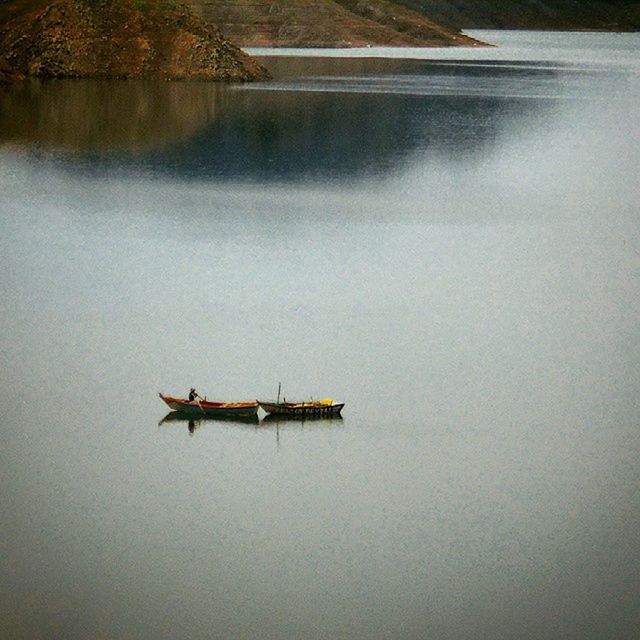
(274, 419)
(204, 407)
(326, 407)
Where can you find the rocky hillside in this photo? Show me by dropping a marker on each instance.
(609, 15)
(326, 23)
(7, 73)
(118, 39)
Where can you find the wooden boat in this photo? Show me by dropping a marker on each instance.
(204, 407)
(326, 407)
(274, 419)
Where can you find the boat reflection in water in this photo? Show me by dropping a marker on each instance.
(269, 421)
(194, 422)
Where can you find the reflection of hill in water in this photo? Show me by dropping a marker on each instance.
(369, 121)
(104, 115)
(321, 119)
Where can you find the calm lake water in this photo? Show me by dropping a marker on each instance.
(448, 242)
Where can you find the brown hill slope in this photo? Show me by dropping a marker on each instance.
(7, 74)
(326, 23)
(118, 38)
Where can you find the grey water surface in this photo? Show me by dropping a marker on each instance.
(445, 240)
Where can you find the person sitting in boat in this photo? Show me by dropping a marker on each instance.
(193, 394)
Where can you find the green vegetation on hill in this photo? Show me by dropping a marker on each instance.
(610, 15)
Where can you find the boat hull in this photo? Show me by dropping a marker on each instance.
(309, 409)
(276, 419)
(211, 409)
